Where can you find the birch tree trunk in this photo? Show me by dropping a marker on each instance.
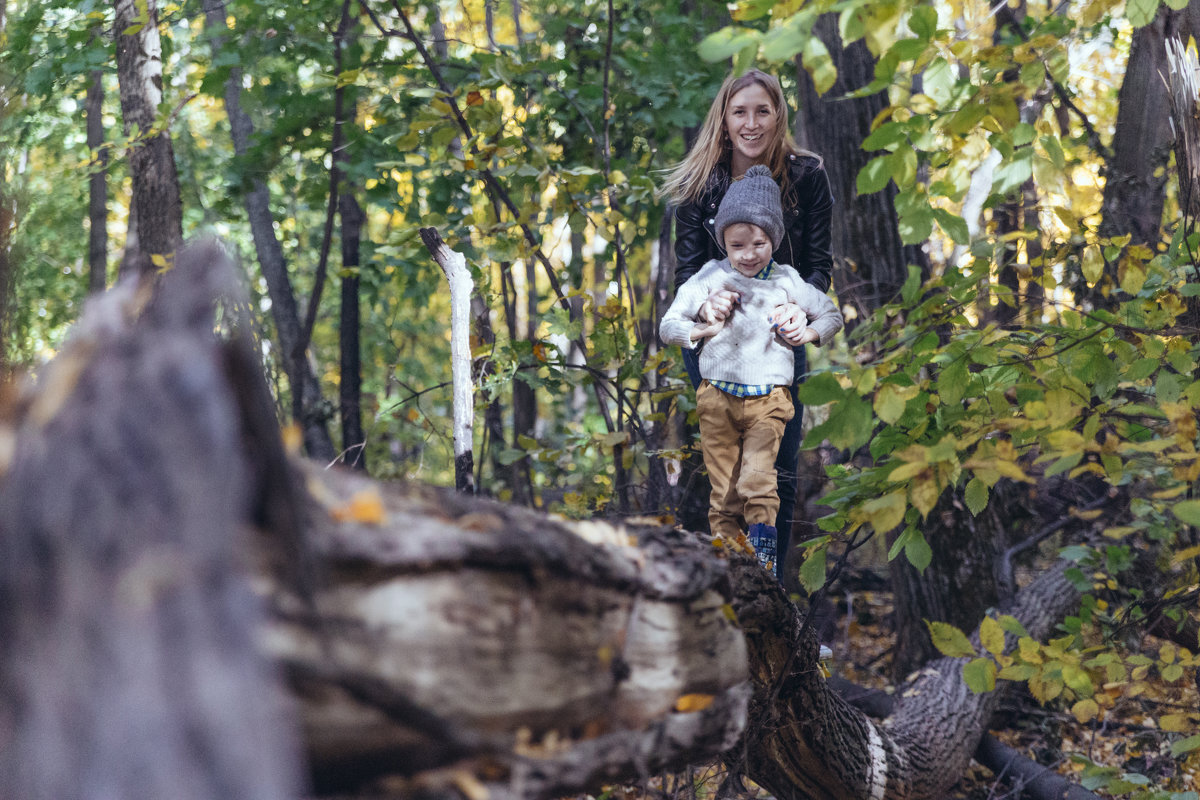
(151, 157)
(458, 276)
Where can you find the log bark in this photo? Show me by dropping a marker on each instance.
(165, 569)
(130, 667)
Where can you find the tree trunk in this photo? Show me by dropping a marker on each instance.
(6, 225)
(870, 262)
(301, 375)
(151, 157)
(350, 384)
(97, 185)
(1135, 175)
(957, 587)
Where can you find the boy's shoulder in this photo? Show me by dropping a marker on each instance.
(787, 271)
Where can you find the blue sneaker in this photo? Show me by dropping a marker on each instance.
(764, 539)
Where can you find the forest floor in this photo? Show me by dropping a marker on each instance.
(1127, 740)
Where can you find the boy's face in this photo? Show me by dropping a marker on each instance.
(749, 248)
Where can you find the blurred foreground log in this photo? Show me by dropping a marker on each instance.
(168, 576)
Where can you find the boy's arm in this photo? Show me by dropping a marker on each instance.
(824, 319)
(679, 323)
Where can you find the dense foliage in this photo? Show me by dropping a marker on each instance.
(529, 135)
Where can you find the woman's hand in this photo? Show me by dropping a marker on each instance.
(790, 323)
(719, 306)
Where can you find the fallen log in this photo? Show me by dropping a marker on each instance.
(428, 641)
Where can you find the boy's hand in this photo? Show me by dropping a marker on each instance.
(719, 305)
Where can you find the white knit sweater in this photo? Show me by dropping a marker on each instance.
(746, 350)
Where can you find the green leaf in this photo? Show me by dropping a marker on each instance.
(954, 226)
(781, 43)
(875, 174)
(1010, 624)
(849, 426)
(912, 284)
(918, 551)
(1014, 172)
(952, 382)
(938, 81)
(1054, 151)
(820, 389)
(949, 640)
(727, 42)
(923, 22)
(1185, 746)
(818, 64)
(976, 496)
(980, 675)
(812, 571)
(916, 225)
(890, 134)
(1141, 12)
(1188, 511)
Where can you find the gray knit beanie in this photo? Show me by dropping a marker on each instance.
(753, 199)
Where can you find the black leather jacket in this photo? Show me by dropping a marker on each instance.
(807, 219)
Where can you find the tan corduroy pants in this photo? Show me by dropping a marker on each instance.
(739, 438)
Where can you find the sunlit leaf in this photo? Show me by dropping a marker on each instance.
(980, 675)
(949, 640)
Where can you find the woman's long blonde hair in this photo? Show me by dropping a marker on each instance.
(686, 180)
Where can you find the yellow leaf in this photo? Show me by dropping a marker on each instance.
(293, 438)
(924, 495)
(991, 635)
(690, 703)
(885, 513)
(1176, 723)
(365, 506)
(906, 471)
(1092, 264)
(1085, 710)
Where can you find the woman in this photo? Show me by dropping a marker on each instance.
(747, 124)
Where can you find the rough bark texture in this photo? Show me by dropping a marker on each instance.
(432, 641)
(130, 667)
(957, 586)
(151, 156)
(97, 186)
(870, 262)
(1136, 173)
(284, 311)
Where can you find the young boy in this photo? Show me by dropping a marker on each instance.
(746, 364)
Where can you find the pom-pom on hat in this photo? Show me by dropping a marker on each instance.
(753, 199)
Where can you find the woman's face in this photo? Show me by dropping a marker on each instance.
(750, 123)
